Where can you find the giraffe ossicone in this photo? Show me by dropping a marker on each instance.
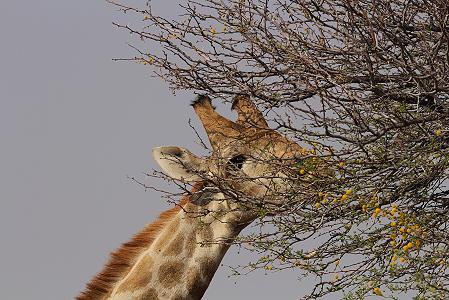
(176, 256)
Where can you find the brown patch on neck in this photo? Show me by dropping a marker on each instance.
(122, 260)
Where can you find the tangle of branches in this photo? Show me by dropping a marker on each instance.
(364, 86)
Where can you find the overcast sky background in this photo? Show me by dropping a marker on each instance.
(73, 125)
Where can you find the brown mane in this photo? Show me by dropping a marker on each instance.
(122, 259)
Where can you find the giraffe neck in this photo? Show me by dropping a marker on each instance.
(183, 258)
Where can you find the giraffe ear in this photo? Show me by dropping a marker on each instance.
(179, 163)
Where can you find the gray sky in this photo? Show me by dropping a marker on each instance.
(73, 125)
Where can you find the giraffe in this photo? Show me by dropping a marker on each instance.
(177, 256)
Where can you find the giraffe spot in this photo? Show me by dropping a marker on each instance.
(175, 247)
(198, 290)
(150, 294)
(192, 276)
(170, 273)
(190, 245)
(195, 284)
(140, 276)
(206, 235)
(208, 267)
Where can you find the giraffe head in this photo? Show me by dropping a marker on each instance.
(248, 157)
(177, 256)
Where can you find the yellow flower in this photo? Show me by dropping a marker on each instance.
(376, 212)
(393, 224)
(317, 205)
(438, 132)
(349, 192)
(408, 246)
(394, 259)
(364, 208)
(393, 211)
(377, 291)
(269, 267)
(310, 254)
(344, 197)
(403, 260)
(302, 172)
(341, 164)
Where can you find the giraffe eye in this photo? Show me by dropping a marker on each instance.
(237, 161)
